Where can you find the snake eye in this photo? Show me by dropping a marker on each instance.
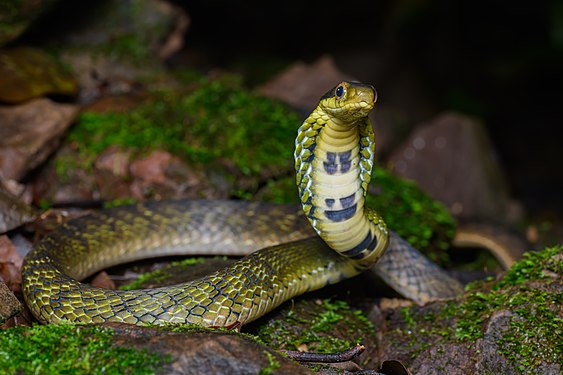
(339, 92)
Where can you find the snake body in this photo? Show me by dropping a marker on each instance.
(333, 159)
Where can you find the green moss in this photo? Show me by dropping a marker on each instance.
(422, 221)
(316, 328)
(119, 202)
(161, 274)
(280, 190)
(217, 120)
(273, 364)
(129, 47)
(535, 329)
(69, 349)
(536, 265)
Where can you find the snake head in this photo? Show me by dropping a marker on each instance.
(349, 101)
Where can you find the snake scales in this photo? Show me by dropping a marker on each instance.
(333, 159)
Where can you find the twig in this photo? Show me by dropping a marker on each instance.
(344, 356)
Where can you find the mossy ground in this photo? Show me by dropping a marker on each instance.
(69, 349)
(531, 290)
(322, 326)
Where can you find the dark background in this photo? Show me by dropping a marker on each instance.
(495, 60)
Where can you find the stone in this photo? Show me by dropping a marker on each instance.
(13, 212)
(452, 159)
(30, 132)
(121, 42)
(207, 352)
(27, 73)
(300, 85)
(9, 304)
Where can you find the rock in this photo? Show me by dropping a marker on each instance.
(16, 16)
(163, 175)
(9, 304)
(300, 84)
(111, 171)
(13, 212)
(102, 280)
(507, 326)
(27, 73)
(452, 159)
(10, 264)
(118, 43)
(130, 29)
(29, 133)
(207, 352)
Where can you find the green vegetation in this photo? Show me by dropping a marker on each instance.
(422, 221)
(218, 120)
(317, 326)
(119, 202)
(69, 349)
(535, 332)
(273, 364)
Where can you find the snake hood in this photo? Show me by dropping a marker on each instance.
(334, 153)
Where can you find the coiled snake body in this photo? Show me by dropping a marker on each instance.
(333, 158)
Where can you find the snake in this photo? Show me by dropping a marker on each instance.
(291, 251)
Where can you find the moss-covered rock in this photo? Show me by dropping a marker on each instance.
(423, 222)
(69, 349)
(246, 135)
(512, 325)
(26, 73)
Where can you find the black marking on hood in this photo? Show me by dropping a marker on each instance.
(341, 215)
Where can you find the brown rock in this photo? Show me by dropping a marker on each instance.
(163, 175)
(10, 265)
(301, 85)
(13, 212)
(206, 352)
(452, 159)
(29, 133)
(9, 304)
(121, 42)
(111, 170)
(102, 280)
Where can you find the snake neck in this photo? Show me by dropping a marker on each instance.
(334, 160)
